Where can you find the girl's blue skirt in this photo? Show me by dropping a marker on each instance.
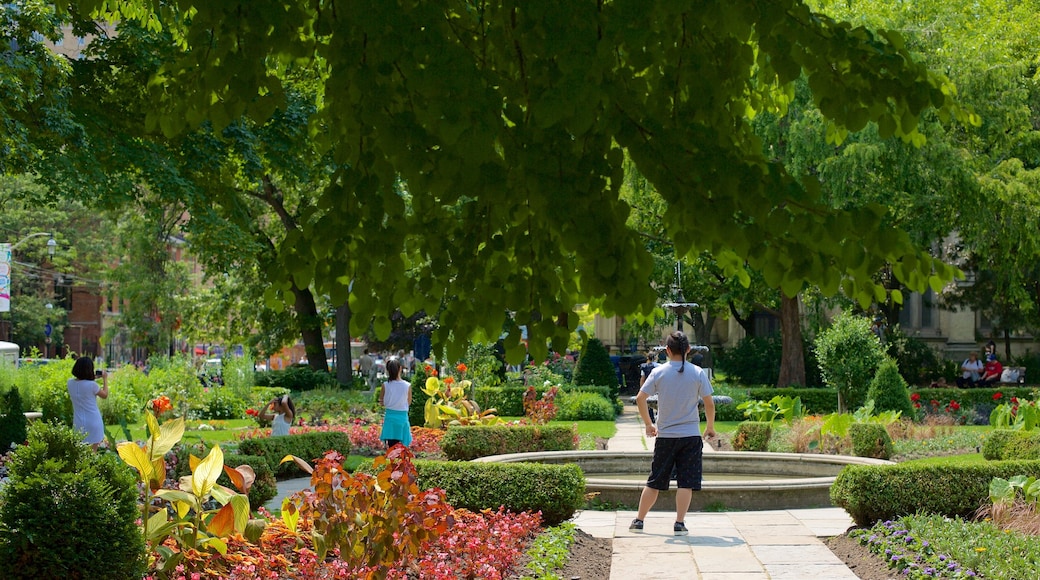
(395, 426)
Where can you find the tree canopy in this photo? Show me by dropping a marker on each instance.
(480, 146)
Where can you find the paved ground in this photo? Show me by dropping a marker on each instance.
(775, 545)
(765, 545)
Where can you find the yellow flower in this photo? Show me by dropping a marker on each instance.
(980, 549)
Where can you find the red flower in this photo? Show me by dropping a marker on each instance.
(915, 397)
(430, 371)
(917, 405)
(997, 396)
(449, 380)
(1014, 400)
(953, 406)
(461, 367)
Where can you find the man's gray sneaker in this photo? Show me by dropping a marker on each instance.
(680, 529)
(636, 526)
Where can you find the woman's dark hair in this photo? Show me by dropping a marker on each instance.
(83, 369)
(679, 344)
(393, 369)
(287, 401)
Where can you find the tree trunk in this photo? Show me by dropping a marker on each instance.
(344, 356)
(702, 325)
(310, 328)
(792, 357)
(1007, 346)
(746, 323)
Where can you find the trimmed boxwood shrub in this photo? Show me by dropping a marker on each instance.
(889, 391)
(814, 401)
(870, 440)
(307, 446)
(872, 493)
(753, 436)
(1005, 444)
(68, 512)
(13, 426)
(465, 443)
(578, 406)
(555, 490)
(594, 367)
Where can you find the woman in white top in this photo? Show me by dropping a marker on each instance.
(396, 396)
(84, 392)
(282, 417)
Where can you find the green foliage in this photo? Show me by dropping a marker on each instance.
(1004, 491)
(296, 378)
(483, 365)
(175, 378)
(870, 440)
(309, 446)
(814, 401)
(264, 486)
(849, 355)
(779, 407)
(45, 389)
(872, 493)
(509, 401)
(222, 403)
(594, 367)
(417, 410)
(550, 551)
(1023, 415)
(555, 490)
(1004, 444)
(889, 391)
(753, 436)
(237, 373)
(68, 512)
(583, 406)
(755, 360)
(467, 443)
(918, 363)
(12, 420)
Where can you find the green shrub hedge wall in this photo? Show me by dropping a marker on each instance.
(579, 406)
(1005, 444)
(814, 401)
(296, 378)
(870, 440)
(307, 446)
(466, 443)
(872, 493)
(509, 401)
(264, 487)
(555, 490)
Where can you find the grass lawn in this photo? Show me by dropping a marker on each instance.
(964, 459)
(223, 430)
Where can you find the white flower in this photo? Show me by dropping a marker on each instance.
(546, 383)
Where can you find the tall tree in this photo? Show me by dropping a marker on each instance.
(509, 124)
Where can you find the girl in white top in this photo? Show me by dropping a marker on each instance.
(396, 396)
(282, 417)
(84, 392)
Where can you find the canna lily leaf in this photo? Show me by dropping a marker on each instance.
(215, 543)
(164, 437)
(205, 475)
(135, 457)
(223, 522)
(290, 515)
(299, 462)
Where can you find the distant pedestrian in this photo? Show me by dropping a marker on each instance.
(84, 392)
(396, 397)
(678, 386)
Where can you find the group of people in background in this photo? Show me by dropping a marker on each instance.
(976, 373)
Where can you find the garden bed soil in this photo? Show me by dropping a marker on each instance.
(589, 559)
(864, 564)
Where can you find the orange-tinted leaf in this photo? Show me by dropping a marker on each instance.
(223, 523)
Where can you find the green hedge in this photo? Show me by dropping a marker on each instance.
(555, 490)
(753, 436)
(296, 378)
(1005, 444)
(308, 446)
(972, 397)
(870, 440)
(872, 493)
(509, 401)
(264, 487)
(814, 401)
(465, 443)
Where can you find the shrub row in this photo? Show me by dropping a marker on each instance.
(814, 401)
(872, 493)
(466, 443)
(973, 397)
(296, 378)
(307, 446)
(1005, 444)
(555, 490)
(509, 401)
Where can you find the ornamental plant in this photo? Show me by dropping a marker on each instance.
(780, 406)
(540, 411)
(193, 527)
(1015, 415)
(849, 355)
(448, 404)
(378, 521)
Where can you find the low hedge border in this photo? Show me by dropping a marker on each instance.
(509, 401)
(873, 493)
(555, 490)
(471, 442)
(307, 446)
(1005, 444)
(976, 396)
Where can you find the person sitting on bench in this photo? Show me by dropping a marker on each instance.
(991, 372)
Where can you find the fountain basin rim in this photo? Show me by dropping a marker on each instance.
(788, 457)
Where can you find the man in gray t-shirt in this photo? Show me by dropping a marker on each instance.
(679, 387)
